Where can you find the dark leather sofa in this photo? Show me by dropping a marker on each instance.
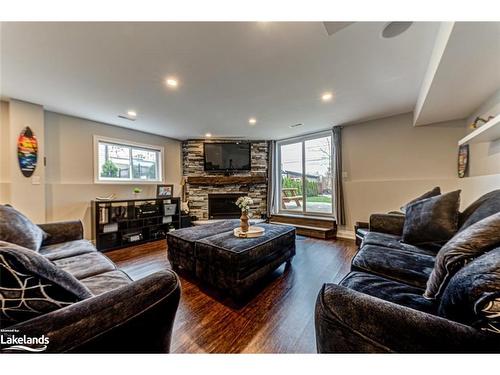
(379, 306)
(122, 316)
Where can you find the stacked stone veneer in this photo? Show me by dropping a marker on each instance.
(197, 195)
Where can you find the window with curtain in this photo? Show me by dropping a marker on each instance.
(121, 161)
(305, 174)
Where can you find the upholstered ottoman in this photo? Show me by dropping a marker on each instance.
(181, 242)
(235, 264)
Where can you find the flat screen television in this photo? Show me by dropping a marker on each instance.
(227, 157)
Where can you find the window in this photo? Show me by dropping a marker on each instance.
(306, 178)
(122, 161)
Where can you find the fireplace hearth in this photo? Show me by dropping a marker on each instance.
(222, 206)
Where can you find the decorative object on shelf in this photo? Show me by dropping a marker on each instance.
(27, 151)
(478, 119)
(146, 209)
(169, 208)
(184, 201)
(136, 191)
(133, 237)
(252, 232)
(244, 204)
(119, 211)
(106, 198)
(164, 191)
(463, 160)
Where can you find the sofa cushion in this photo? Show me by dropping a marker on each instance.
(389, 290)
(431, 193)
(461, 249)
(405, 266)
(85, 265)
(67, 249)
(394, 242)
(483, 207)
(107, 281)
(432, 220)
(18, 229)
(473, 295)
(31, 285)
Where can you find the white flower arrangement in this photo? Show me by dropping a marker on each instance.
(244, 203)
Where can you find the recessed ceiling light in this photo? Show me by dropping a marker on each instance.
(172, 82)
(208, 135)
(327, 96)
(252, 121)
(132, 113)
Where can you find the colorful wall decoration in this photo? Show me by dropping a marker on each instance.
(463, 160)
(27, 152)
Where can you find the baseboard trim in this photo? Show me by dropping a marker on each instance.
(346, 234)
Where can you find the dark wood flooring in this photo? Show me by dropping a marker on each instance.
(278, 319)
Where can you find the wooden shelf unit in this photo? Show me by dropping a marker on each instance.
(488, 132)
(114, 221)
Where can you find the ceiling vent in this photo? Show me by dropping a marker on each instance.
(295, 125)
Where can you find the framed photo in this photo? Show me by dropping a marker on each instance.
(164, 191)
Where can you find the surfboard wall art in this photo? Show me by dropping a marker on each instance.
(27, 152)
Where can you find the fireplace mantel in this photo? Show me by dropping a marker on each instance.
(227, 180)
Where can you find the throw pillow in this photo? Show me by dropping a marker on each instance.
(18, 229)
(461, 249)
(31, 285)
(485, 206)
(429, 194)
(432, 220)
(473, 295)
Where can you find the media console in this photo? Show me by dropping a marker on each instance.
(122, 223)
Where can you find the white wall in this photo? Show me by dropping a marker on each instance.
(4, 153)
(70, 175)
(389, 162)
(485, 157)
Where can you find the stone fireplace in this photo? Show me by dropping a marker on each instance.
(201, 186)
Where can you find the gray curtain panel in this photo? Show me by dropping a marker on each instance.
(271, 177)
(337, 175)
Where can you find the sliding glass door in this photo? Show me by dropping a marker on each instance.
(305, 181)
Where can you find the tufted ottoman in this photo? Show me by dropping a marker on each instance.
(235, 264)
(181, 243)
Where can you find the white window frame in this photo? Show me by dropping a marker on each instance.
(301, 139)
(126, 143)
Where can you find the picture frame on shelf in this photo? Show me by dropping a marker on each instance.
(164, 191)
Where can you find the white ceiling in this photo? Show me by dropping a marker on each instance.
(228, 72)
(467, 72)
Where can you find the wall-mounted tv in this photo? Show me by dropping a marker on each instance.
(227, 157)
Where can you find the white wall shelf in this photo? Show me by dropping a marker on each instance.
(488, 132)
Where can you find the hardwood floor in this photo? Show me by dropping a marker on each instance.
(278, 319)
